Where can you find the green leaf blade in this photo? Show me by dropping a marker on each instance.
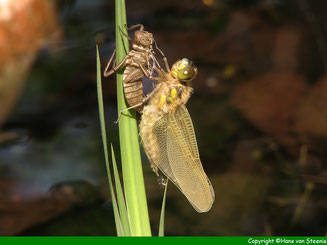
(129, 143)
(120, 197)
(118, 223)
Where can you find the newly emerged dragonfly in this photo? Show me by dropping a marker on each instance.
(168, 137)
(139, 62)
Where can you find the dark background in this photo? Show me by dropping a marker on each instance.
(259, 110)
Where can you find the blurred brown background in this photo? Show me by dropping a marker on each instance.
(259, 111)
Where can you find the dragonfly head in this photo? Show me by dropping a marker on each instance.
(184, 70)
(143, 38)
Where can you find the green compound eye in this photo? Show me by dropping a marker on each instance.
(184, 70)
(187, 73)
(184, 62)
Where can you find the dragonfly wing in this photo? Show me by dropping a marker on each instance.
(178, 158)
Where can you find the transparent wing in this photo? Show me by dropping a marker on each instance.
(176, 155)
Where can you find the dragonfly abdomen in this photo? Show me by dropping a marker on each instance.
(133, 87)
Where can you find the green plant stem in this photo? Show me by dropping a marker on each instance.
(129, 143)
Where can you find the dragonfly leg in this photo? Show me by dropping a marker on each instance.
(134, 27)
(163, 57)
(127, 109)
(149, 96)
(114, 69)
(124, 34)
(109, 63)
(139, 104)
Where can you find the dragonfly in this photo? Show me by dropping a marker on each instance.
(168, 138)
(138, 63)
